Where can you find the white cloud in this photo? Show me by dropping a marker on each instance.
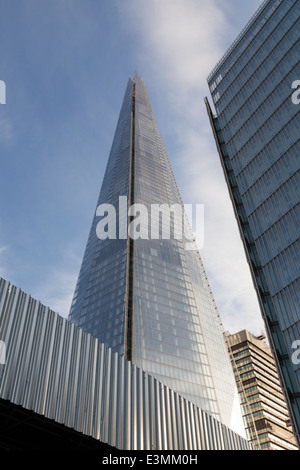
(223, 253)
(183, 35)
(57, 287)
(57, 292)
(180, 42)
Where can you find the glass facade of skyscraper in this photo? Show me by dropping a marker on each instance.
(148, 297)
(98, 304)
(256, 127)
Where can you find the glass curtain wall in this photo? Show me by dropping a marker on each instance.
(146, 296)
(257, 131)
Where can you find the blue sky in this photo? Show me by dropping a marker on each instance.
(65, 64)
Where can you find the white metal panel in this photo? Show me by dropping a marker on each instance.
(57, 370)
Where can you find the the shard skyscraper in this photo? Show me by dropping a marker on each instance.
(146, 296)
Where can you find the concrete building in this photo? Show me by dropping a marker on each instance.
(264, 409)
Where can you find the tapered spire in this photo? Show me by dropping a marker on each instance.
(144, 293)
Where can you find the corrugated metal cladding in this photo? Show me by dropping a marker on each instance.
(58, 371)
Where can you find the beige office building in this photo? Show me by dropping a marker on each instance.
(264, 408)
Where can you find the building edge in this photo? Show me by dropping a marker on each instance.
(273, 331)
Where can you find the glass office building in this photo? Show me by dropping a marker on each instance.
(256, 126)
(146, 295)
